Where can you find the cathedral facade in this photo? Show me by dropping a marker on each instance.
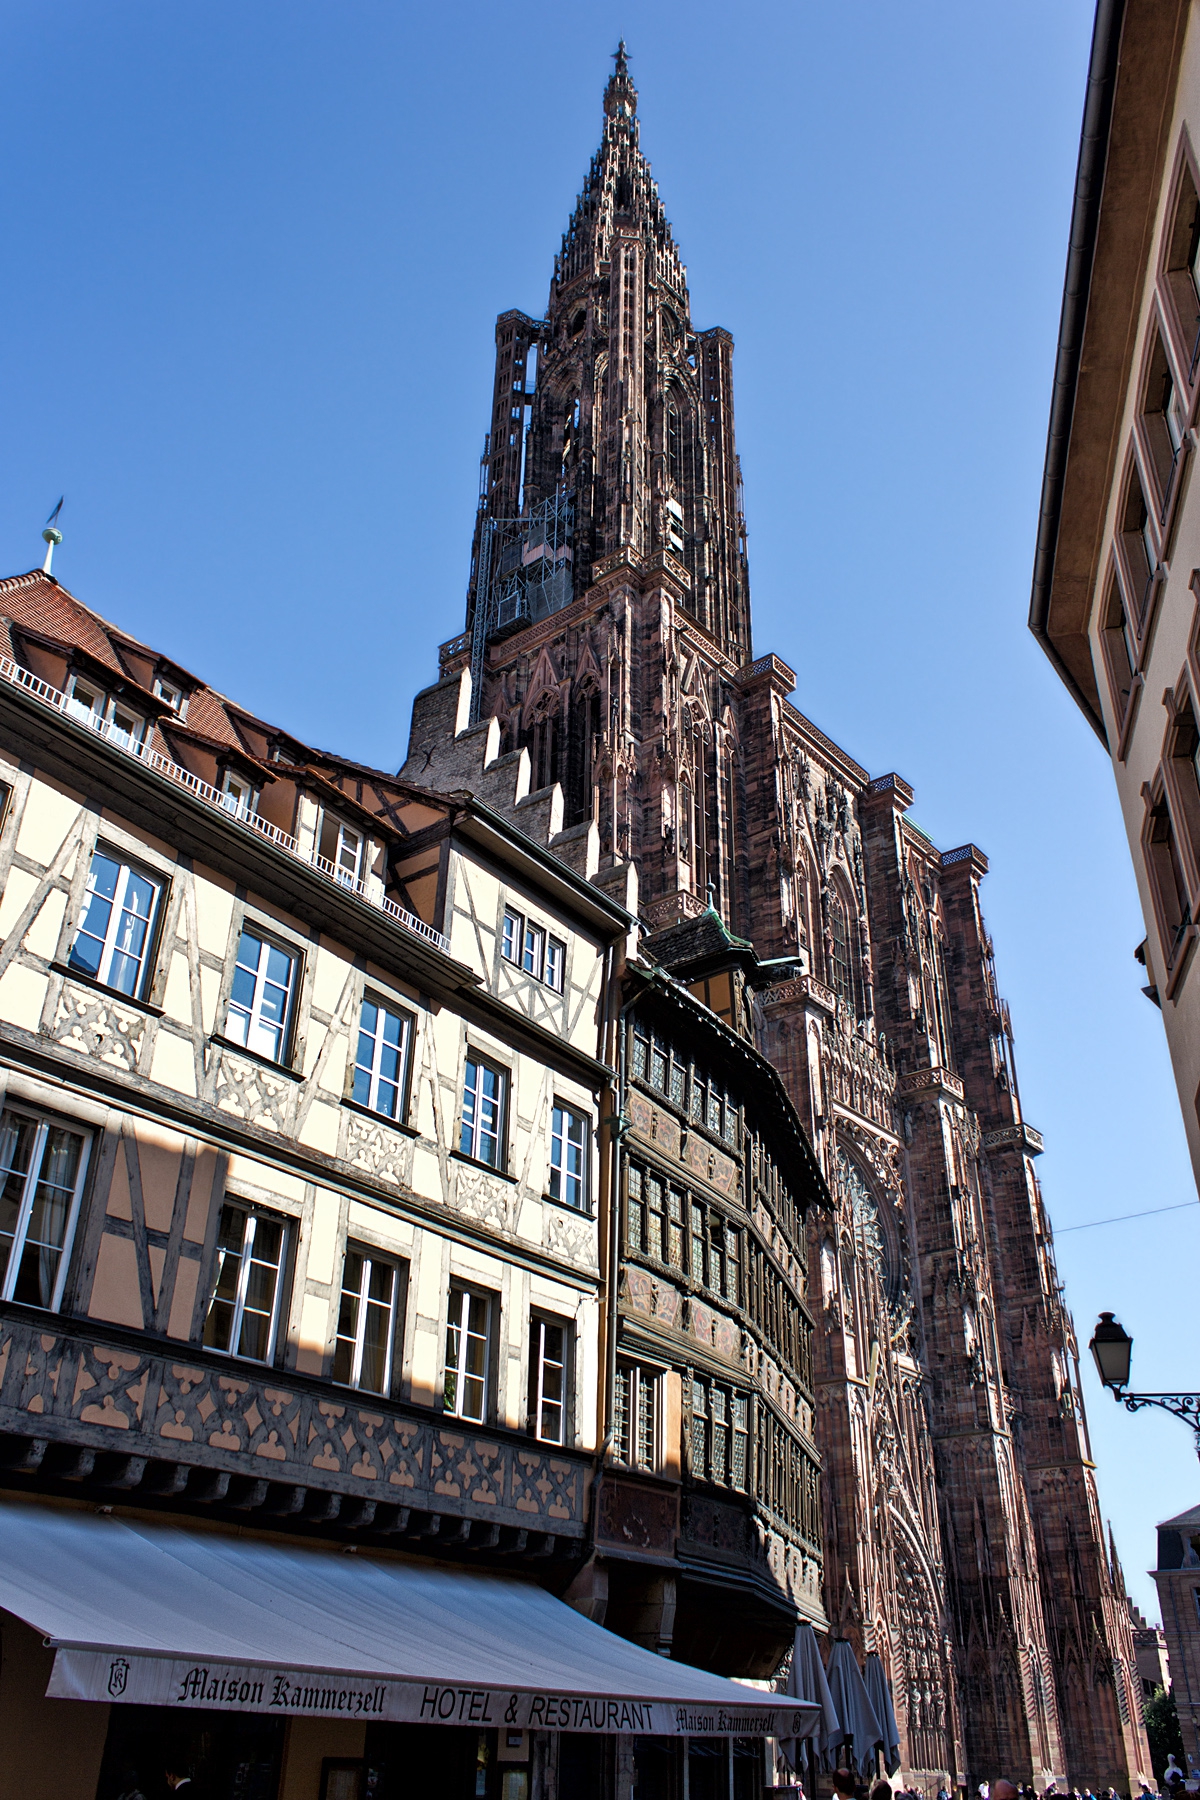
(608, 635)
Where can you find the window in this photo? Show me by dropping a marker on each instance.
(367, 1317)
(1164, 416)
(1120, 650)
(380, 1058)
(94, 707)
(261, 996)
(568, 1157)
(468, 1342)
(482, 1134)
(173, 694)
(526, 944)
(1166, 874)
(549, 1344)
(243, 1314)
(1137, 544)
(341, 849)
(1183, 272)
(720, 1436)
(841, 970)
(42, 1166)
(532, 947)
(635, 1416)
(114, 937)
(238, 796)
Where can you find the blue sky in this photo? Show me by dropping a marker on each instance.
(255, 255)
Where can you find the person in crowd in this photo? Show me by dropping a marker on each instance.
(844, 1784)
(882, 1790)
(1173, 1775)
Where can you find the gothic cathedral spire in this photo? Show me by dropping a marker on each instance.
(612, 420)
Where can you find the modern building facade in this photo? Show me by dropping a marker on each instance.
(1177, 1578)
(1115, 589)
(608, 640)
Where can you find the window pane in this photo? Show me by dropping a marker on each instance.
(377, 1329)
(556, 954)
(88, 949)
(511, 942)
(132, 931)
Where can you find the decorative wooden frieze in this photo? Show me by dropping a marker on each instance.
(97, 1025)
(251, 1091)
(203, 1413)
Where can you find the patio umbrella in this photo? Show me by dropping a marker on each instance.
(853, 1704)
(881, 1700)
(807, 1682)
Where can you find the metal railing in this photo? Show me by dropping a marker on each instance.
(235, 810)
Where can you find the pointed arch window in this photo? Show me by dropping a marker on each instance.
(841, 960)
(674, 445)
(686, 803)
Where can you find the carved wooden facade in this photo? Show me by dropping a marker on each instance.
(608, 639)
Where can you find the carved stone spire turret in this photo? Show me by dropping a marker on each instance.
(612, 419)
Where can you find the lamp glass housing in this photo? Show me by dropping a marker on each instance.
(1112, 1347)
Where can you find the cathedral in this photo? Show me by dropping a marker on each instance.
(608, 635)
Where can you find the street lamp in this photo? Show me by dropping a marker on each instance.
(1112, 1347)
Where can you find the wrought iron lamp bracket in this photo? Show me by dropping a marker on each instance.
(1180, 1406)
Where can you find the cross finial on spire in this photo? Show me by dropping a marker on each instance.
(620, 96)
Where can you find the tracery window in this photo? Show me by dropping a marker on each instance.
(841, 969)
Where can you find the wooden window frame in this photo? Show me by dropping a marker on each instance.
(1163, 464)
(396, 1308)
(474, 1127)
(1124, 710)
(541, 1320)
(383, 1004)
(462, 1293)
(44, 1123)
(280, 1305)
(127, 867)
(1176, 938)
(1140, 611)
(1183, 333)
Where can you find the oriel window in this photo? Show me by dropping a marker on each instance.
(468, 1347)
(243, 1314)
(635, 1416)
(367, 1319)
(42, 1170)
(260, 999)
(116, 931)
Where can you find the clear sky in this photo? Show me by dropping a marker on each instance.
(255, 255)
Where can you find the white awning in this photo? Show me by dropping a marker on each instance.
(171, 1616)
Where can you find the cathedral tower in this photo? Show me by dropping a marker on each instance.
(608, 634)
